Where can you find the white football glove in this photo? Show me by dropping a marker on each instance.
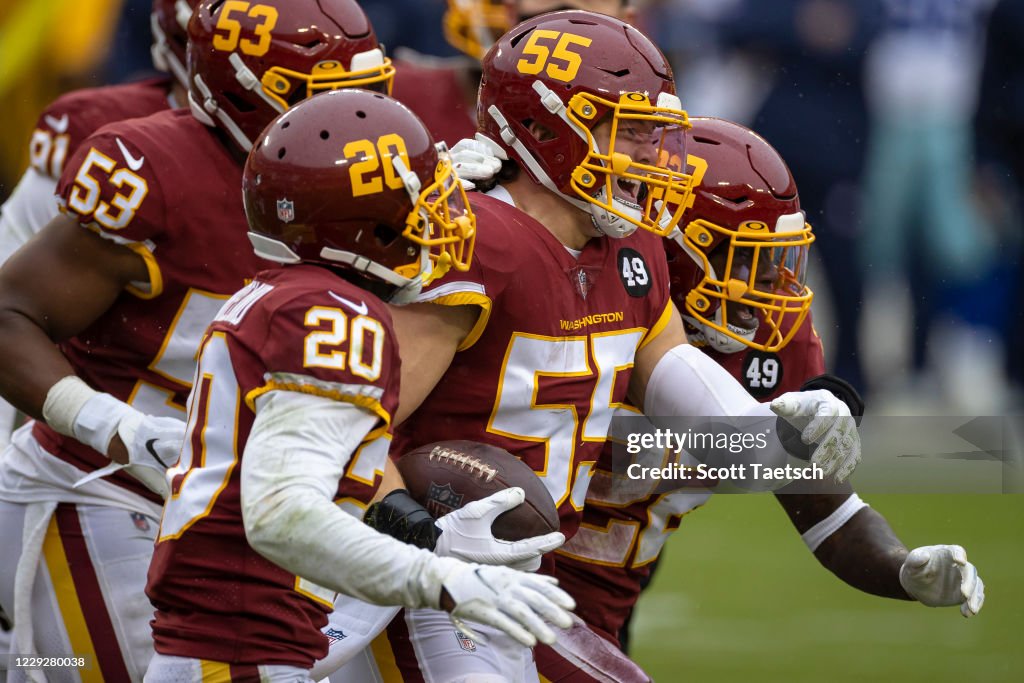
(466, 534)
(940, 576)
(823, 419)
(476, 159)
(153, 443)
(512, 601)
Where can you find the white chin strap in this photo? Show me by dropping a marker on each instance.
(406, 289)
(208, 110)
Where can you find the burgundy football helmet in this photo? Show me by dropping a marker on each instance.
(550, 86)
(745, 214)
(249, 62)
(352, 179)
(169, 23)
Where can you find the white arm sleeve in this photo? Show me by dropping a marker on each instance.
(687, 382)
(27, 211)
(296, 453)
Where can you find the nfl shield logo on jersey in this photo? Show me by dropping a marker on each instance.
(465, 642)
(286, 210)
(334, 634)
(442, 499)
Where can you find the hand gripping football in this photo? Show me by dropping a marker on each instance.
(446, 475)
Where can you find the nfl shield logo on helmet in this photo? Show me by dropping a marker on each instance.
(442, 499)
(286, 210)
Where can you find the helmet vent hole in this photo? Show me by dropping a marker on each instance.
(618, 74)
(705, 141)
(361, 114)
(281, 152)
(286, 124)
(312, 43)
(385, 235)
(324, 135)
(515, 39)
(738, 200)
(238, 103)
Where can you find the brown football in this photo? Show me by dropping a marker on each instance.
(446, 475)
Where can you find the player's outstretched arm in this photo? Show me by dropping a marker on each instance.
(290, 473)
(857, 544)
(673, 379)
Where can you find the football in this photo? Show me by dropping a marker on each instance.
(446, 475)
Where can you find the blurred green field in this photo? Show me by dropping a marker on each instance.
(739, 598)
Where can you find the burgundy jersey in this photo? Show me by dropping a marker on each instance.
(551, 355)
(769, 374)
(436, 94)
(166, 187)
(299, 328)
(73, 117)
(626, 522)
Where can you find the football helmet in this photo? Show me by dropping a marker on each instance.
(352, 179)
(586, 104)
(745, 217)
(472, 26)
(249, 62)
(169, 24)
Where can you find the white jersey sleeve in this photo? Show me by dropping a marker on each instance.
(30, 207)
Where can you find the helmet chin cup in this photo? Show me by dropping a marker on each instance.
(718, 340)
(610, 224)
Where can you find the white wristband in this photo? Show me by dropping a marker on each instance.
(63, 401)
(75, 409)
(817, 534)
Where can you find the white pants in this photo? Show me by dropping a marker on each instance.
(73, 578)
(424, 643)
(167, 669)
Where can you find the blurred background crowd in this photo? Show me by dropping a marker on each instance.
(902, 121)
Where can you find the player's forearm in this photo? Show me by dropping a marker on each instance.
(33, 364)
(290, 473)
(305, 533)
(866, 554)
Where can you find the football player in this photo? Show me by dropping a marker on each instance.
(565, 310)
(73, 117)
(737, 269)
(289, 420)
(151, 242)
